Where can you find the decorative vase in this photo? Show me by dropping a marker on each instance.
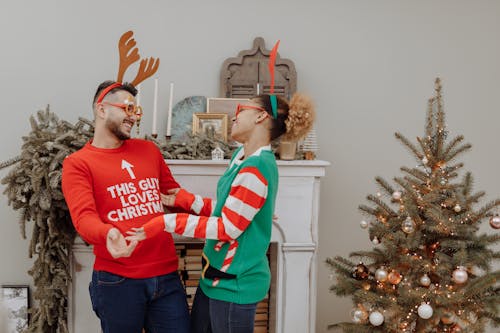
(287, 150)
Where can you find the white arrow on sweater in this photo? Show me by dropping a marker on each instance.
(128, 166)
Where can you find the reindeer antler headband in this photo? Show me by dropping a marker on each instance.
(272, 97)
(129, 54)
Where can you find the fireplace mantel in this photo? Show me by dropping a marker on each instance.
(295, 233)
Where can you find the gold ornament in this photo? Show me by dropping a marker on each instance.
(448, 318)
(366, 286)
(394, 277)
(361, 272)
(359, 315)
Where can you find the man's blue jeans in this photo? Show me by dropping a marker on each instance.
(213, 316)
(126, 305)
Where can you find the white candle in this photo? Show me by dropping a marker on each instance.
(258, 88)
(138, 96)
(169, 120)
(155, 108)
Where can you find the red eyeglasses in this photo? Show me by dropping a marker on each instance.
(242, 107)
(130, 109)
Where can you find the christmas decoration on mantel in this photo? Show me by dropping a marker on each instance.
(33, 188)
(432, 271)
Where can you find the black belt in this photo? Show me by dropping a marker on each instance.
(210, 272)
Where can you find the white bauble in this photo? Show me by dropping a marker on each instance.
(363, 224)
(375, 241)
(425, 160)
(425, 280)
(460, 275)
(396, 195)
(425, 311)
(457, 208)
(495, 222)
(408, 226)
(358, 315)
(381, 275)
(376, 318)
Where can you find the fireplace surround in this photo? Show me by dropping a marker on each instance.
(293, 253)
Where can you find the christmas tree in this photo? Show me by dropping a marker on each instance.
(432, 270)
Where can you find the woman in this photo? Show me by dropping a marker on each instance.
(237, 226)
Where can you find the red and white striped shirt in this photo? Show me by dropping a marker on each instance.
(247, 195)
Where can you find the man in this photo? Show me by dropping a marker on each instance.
(111, 185)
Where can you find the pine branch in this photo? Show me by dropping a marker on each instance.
(409, 145)
(453, 144)
(384, 185)
(482, 212)
(454, 153)
(388, 211)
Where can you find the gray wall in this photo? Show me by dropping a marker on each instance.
(369, 65)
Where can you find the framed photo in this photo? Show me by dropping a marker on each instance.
(16, 302)
(225, 105)
(212, 124)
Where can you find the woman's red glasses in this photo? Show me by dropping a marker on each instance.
(242, 107)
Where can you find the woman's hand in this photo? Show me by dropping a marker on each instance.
(136, 235)
(169, 198)
(117, 246)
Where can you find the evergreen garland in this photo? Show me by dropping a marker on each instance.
(34, 188)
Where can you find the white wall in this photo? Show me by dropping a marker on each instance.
(369, 65)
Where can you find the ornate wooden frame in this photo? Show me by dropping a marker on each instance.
(247, 74)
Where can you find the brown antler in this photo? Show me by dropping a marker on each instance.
(147, 68)
(126, 44)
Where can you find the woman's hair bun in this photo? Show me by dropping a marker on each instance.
(301, 116)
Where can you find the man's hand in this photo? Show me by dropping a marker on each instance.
(169, 198)
(136, 234)
(117, 245)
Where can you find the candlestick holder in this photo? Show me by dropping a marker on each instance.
(154, 135)
(168, 138)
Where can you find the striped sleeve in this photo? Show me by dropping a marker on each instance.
(247, 195)
(194, 203)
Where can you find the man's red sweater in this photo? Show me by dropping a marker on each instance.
(106, 188)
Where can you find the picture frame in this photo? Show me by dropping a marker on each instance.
(16, 304)
(212, 124)
(225, 105)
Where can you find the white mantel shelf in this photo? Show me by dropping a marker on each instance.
(295, 234)
(296, 168)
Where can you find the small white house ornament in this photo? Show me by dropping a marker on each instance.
(217, 154)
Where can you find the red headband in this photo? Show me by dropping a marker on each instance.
(272, 60)
(106, 90)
